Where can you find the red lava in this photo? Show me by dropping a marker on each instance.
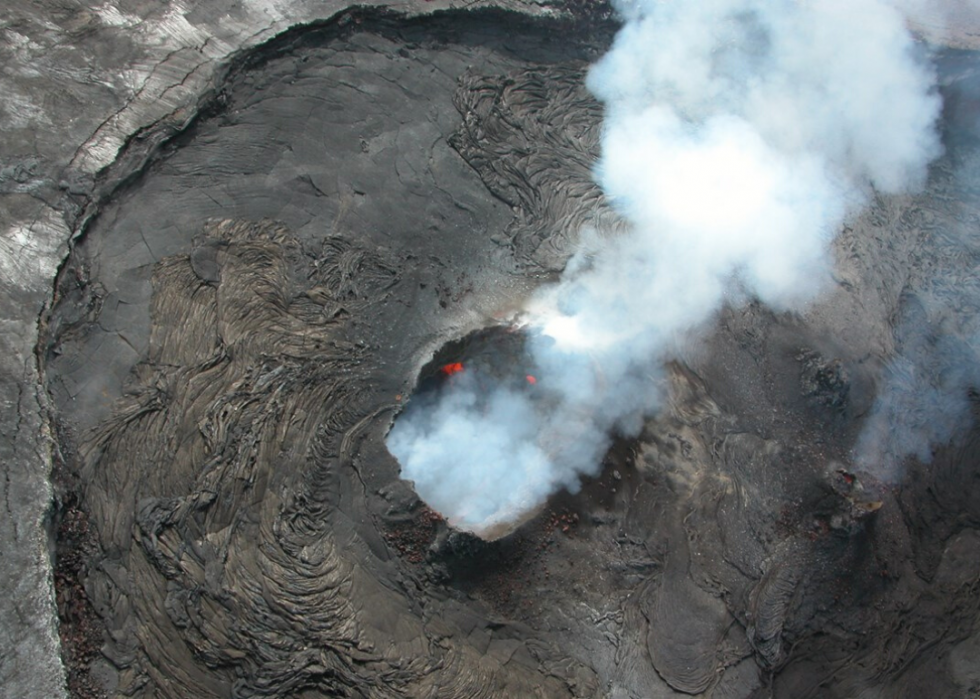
(451, 369)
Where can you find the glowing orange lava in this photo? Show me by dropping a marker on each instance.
(531, 380)
(452, 368)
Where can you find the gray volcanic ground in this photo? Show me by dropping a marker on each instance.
(244, 318)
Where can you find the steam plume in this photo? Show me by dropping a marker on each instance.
(738, 136)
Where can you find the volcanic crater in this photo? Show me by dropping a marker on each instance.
(237, 327)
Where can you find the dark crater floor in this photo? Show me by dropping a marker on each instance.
(242, 319)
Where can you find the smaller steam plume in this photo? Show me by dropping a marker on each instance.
(738, 136)
(923, 398)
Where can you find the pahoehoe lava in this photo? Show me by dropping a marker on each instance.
(237, 328)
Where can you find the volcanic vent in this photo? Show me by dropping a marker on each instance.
(487, 373)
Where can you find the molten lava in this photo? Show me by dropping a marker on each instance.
(452, 368)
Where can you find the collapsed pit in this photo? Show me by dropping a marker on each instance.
(477, 439)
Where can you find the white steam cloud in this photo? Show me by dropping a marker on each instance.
(738, 135)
